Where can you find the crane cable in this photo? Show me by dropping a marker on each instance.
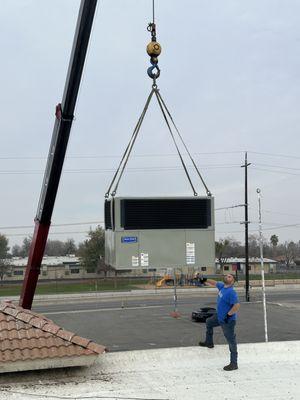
(154, 50)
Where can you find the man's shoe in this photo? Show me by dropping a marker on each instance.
(230, 367)
(204, 344)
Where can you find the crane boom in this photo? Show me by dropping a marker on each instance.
(64, 116)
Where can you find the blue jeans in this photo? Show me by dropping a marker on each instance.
(229, 333)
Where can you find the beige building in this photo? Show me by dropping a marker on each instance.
(67, 267)
(231, 265)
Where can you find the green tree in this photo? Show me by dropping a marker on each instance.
(91, 251)
(4, 249)
(274, 240)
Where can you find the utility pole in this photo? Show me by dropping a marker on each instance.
(246, 222)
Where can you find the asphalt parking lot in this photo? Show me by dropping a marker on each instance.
(145, 322)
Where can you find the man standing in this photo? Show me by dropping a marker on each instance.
(227, 307)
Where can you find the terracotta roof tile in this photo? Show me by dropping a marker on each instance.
(80, 341)
(24, 316)
(2, 317)
(48, 327)
(25, 335)
(11, 310)
(3, 306)
(38, 322)
(97, 348)
(66, 335)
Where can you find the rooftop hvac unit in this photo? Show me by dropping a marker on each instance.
(142, 233)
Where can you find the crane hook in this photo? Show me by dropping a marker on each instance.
(150, 71)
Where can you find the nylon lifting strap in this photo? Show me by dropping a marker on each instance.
(128, 149)
(166, 113)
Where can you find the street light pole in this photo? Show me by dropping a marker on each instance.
(262, 265)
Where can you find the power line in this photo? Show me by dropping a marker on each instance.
(115, 156)
(50, 233)
(276, 172)
(137, 169)
(277, 212)
(227, 208)
(267, 229)
(277, 166)
(74, 232)
(275, 155)
(151, 155)
(66, 224)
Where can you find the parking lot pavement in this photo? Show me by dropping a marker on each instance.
(147, 324)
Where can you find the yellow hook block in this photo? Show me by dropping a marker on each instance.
(154, 49)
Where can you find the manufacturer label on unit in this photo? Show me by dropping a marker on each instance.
(129, 239)
(134, 261)
(190, 253)
(144, 259)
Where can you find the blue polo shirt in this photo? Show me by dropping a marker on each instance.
(227, 297)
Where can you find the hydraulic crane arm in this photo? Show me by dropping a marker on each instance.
(60, 137)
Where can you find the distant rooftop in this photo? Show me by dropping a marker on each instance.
(47, 260)
(251, 260)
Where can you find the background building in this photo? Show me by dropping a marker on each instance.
(231, 265)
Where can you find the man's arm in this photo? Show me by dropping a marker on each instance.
(210, 282)
(234, 309)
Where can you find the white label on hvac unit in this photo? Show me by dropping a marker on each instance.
(144, 259)
(134, 261)
(190, 253)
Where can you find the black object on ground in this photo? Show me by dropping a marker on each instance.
(203, 313)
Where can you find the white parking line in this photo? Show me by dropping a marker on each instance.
(102, 310)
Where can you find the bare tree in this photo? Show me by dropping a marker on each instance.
(26, 246)
(289, 253)
(16, 251)
(220, 248)
(70, 247)
(4, 269)
(4, 265)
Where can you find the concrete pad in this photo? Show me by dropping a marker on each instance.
(268, 371)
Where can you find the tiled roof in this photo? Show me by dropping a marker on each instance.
(26, 335)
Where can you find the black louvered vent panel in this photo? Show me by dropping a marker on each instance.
(165, 213)
(107, 214)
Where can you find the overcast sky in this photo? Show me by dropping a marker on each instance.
(230, 76)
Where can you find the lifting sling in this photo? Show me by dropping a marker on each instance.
(154, 50)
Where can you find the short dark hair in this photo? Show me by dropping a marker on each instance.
(232, 276)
